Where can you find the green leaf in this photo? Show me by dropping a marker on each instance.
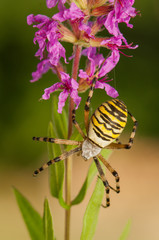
(57, 129)
(92, 211)
(91, 173)
(106, 153)
(56, 170)
(31, 217)
(126, 231)
(47, 222)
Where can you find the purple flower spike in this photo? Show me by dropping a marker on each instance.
(78, 23)
(69, 86)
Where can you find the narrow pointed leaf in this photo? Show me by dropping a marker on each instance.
(126, 231)
(31, 217)
(47, 222)
(56, 170)
(106, 153)
(92, 211)
(57, 129)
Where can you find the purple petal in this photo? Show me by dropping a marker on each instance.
(62, 99)
(112, 41)
(109, 90)
(122, 12)
(51, 3)
(72, 13)
(37, 19)
(60, 16)
(74, 84)
(42, 45)
(85, 28)
(42, 68)
(75, 12)
(110, 63)
(51, 89)
(64, 77)
(96, 59)
(111, 24)
(56, 51)
(75, 97)
(30, 19)
(82, 74)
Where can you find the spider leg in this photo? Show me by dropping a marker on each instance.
(105, 182)
(57, 159)
(87, 104)
(113, 172)
(76, 124)
(131, 139)
(117, 141)
(56, 140)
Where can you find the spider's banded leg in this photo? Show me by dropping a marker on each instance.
(87, 104)
(117, 141)
(131, 139)
(105, 182)
(57, 159)
(113, 172)
(57, 141)
(76, 124)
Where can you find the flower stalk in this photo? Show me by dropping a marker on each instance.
(68, 161)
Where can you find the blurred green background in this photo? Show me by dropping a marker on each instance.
(23, 116)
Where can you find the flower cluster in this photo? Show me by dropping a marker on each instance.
(80, 24)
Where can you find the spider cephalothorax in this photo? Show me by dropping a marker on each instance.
(103, 128)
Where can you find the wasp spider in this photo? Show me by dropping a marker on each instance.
(103, 130)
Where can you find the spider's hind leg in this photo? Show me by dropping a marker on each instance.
(113, 172)
(105, 182)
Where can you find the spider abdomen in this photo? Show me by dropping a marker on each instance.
(107, 122)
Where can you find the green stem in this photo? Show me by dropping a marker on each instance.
(68, 162)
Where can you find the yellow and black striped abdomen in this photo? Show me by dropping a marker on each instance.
(107, 122)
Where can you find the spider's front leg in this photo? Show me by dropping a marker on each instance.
(76, 124)
(57, 159)
(57, 140)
